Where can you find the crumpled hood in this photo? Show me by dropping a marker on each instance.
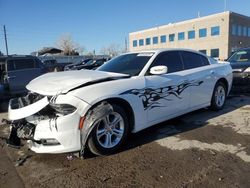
(62, 82)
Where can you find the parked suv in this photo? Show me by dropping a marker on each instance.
(16, 72)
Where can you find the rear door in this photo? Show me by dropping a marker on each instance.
(20, 72)
(198, 69)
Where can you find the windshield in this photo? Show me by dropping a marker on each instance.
(240, 56)
(131, 64)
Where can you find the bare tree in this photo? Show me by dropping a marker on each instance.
(69, 47)
(112, 50)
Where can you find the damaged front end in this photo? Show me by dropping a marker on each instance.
(50, 124)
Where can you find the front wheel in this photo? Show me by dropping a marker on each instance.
(219, 96)
(109, 132)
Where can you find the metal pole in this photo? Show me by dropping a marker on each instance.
(225, 5)
(6, 44)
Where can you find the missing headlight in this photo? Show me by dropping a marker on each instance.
(63, 109)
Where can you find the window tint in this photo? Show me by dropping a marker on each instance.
(215, 30)
(202, 32)
(240, 56)
(193, 60)
(215, 52)
(155, 40)
(191, 34)
(181, 36)
(19, 64)
(163, 39)
(170, 59)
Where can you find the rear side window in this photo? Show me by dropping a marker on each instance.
(19, 64)
(192, 60)
(170, 59)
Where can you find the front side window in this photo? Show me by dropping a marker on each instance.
(148, 41)
(130, 64)
(134, 43)
(215, 52)
(202, 32)
(191, 34)
(171, 37)
(240, 56)
(155, 40)
(181, 36)
(163, 39)
(141, 42)
(170, 59)
(215, 30)
(192, 60)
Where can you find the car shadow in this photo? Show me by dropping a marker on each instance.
(184, 123)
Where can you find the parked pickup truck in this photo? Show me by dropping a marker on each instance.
(16, 72)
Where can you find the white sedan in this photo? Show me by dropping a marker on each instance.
(69, 111)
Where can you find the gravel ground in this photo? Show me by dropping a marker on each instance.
(200, 149)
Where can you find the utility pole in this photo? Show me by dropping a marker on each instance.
(126, 45)
(5, 37)
(225, 5)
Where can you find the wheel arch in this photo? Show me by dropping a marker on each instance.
(225, 82)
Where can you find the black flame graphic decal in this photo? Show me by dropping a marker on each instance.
(151, 97)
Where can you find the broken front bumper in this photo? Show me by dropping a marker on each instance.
(46, 130)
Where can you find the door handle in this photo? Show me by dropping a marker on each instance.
(212, 72)
(11, 77)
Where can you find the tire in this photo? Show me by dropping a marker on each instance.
(219, 96)
(109, 133)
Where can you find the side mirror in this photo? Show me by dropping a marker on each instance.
(158, 70)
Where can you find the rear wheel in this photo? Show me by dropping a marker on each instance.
(219, 96)
(109, 133)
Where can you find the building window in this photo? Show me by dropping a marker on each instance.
(171, 37)
(191, 34)
(181, 36)
(203, 51)
(248, 32)
(234, 29)
(202, 32)
(134, 43)
(148, 41)
(155, 40)
(244, 31)
(215, 52)
(215, 30)
(163, 38)
(239, 30)
(141, 42)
